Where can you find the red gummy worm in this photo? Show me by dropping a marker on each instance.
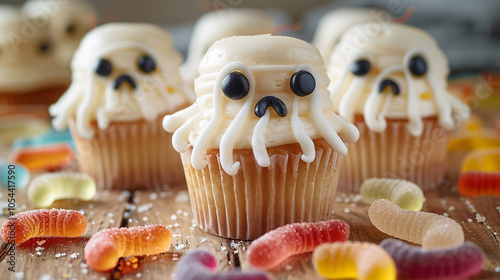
(56, 222)
(478, 183)
(106, 247)
(456, 262)
(275, 246)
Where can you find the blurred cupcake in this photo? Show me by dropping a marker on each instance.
(261, 145)
(125, 79)
(68, 21)
(29, 72)
(392, 84)
(220, 24)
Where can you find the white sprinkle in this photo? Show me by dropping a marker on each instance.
(469, 220)
(451, 208)
(58, 255)
(223, 248)
(111, 221)
(46, 277)
(288, 267)
(145, 219)
(138, 275)
(176, 224)
(85, 271)
(179, 212)
(333, 211)
(137, 199)
(346, 210)
(153, 196)
(446, 214)
(185, 214)
(84, 265)
(203, 240)
(39, 249)
(173, 217)
(180, 247)
(182, 196)
(39, 253)
(19, 275)
(497, 269)
(74, 256)
(110, 215)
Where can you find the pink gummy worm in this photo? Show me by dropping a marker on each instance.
(201, 265)
(455, 262)
(275, 246)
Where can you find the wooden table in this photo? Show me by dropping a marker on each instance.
(62, 258)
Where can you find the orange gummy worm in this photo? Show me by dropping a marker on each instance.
(104, 249)
(55, 222)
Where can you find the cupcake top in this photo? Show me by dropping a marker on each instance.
(68, 21)
(122, 72)
(220, 24)
(392, 72)
(334, 23)
(27, 54)
(256, 92)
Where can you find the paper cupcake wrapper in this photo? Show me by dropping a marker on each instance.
(258, 199)
(395, 153)
(44, 96)
(129, 155)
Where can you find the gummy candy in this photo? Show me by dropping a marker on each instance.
(21, 125)
(46, 188)
(482, 160)
(404, 194)
(474, 183)
(470, 139)
(201, 265)
(50, 137)
(451, 263)
(13, 175)
(275, 246)
(361, 260)
(55, 222)
(52, 157)
(430, 230)
(104, 248)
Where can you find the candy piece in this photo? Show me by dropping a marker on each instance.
(13, 175)
(50, 137)
(201, 265)
(44, 158)
(56, 222)
(482, 160)
(105, 247)
(20, 125)
(275, 246)
(451, 263)
(470, 139)
(474, 183)
(403, 193)
(361, 260)
(46, 188)
(430, 230)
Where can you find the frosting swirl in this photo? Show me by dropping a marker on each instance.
(285, 100)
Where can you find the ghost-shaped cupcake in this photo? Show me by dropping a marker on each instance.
(125, 79)
(261, 146)
(392, 84)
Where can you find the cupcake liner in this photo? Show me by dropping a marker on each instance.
(45, 96)
(395, 153)
(258, 199)
(129, 155)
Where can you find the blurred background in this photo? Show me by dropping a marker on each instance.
(467, 31)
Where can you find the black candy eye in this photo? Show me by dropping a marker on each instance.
(360, 67)
(418, 67)
(235, 85)
(44, 47)
(302, 83)
(103, 67)
(147, 64)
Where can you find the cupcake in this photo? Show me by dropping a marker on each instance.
(29, 72)
(261, 146)
(392, 84)
(220, 24)
(68, 21)
(125, 79)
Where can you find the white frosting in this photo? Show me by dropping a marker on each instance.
(268, 62)
(23, 66)
(220, 24)
(92, 97)
(389, 50)
(334, 23)
(68, 21)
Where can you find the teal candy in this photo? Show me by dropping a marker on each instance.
(48, 138)
(21, 174)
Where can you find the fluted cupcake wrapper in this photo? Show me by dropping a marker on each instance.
(258, 199)
(395, 153)
(129, 155)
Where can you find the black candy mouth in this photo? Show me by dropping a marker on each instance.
(124, 79)
(270, 101)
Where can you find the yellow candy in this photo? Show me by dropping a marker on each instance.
(361, 260)
(472, 139)
(47, 188)
(404, 194)
(482, 160)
